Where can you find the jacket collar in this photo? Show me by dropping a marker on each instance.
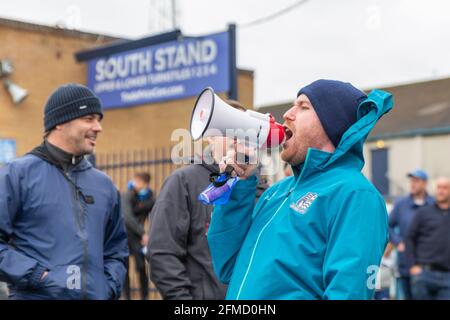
(59, 158)
(207, 162)
(428, 200)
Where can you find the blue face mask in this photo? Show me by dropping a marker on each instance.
(143, 194)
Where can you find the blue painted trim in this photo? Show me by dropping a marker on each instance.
(233, 93)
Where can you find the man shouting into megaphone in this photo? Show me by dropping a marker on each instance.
(321, 233)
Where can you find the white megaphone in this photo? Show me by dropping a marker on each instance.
(214, 117)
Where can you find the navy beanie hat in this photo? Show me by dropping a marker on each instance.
(69, 102)
(336, 104)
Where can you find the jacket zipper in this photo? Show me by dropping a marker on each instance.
(265, 226)
(79, 217)
(256, 244)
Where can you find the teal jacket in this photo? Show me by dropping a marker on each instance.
(319, 234)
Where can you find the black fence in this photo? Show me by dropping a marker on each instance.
(121, 166)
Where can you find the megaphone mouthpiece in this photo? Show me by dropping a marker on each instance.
(276, 135)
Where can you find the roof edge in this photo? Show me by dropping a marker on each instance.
(53, 29)
(410, 133)
(125, 45)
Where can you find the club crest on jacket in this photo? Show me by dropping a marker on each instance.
(302, 205)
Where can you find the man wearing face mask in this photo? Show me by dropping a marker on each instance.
(321, 233)
(138, 201)
(62, 234)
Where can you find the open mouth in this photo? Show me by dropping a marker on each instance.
(288, 133)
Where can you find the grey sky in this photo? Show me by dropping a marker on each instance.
(367, 42)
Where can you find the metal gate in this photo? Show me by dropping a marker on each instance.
(121, 167)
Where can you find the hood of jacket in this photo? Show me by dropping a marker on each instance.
(350, 148)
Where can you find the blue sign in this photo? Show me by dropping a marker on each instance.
(172, 70)
(7, 150)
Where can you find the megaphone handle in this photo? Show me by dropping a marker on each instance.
(219, 179)
(228, 170)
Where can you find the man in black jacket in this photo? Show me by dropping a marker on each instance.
(178, 251)
(428, 244)
(137, 204)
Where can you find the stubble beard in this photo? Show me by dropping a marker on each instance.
(294, 155)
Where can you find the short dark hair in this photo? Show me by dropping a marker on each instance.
(144, 176)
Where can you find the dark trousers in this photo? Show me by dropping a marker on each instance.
(431, 285)
(142, 273)
(382, 294)
(404, 283)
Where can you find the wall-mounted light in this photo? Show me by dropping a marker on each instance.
(380, 144)
(16, 92)
(6, 67)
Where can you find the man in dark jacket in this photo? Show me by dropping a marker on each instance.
(428, 244)
(399, 220)
(180, 262)
(137, 203)
(62, 234)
